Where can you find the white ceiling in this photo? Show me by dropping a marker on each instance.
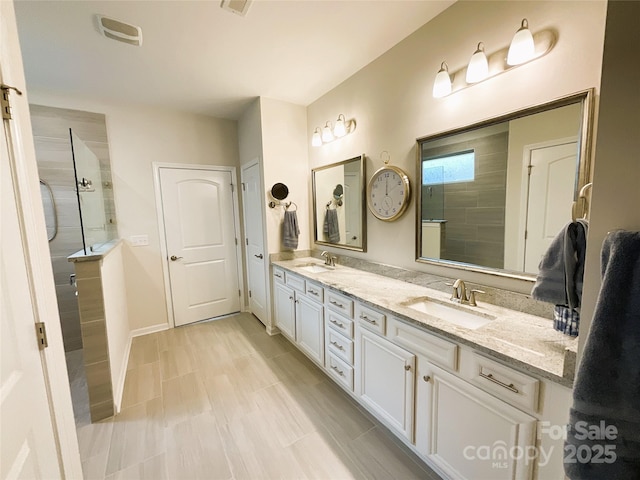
(200, 58)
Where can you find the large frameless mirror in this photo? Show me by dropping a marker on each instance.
(338, 204)
(493, 195)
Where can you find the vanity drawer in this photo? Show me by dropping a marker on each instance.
(278, 275)
(339, 303)
(315, 291)
(371, 319)
(339, 370)
(339, 345)
(339, 323)
(509, 385)
(294, 281)
(438, 350)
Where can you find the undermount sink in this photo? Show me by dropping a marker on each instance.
(451, 314)
(316, 268)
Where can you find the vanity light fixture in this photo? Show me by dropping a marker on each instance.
(478, 68)
(525, 47)
(522, 48)
(340, 129)
(442, 83)
(327, 134)
(316, 139)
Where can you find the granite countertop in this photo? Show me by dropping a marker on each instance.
(519, 339)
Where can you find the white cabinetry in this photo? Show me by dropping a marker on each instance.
(385, 380)
(285, 313)
(471, 434)
(298, 314)
(310, 328)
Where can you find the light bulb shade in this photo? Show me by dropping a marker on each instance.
(442, 83)
(316, 139)
(478, 68)
(340, 129)
(327, 135)
(522, 48)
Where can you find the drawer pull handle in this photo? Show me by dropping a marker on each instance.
(340, 372)
(341, 325)
(407, 367)
(337, 345)
(336, 304)
(313, 292)
(278, 276)
(426, 378)
(367, 319)
(498, 382)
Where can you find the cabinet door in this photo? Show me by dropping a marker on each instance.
(285, 310)
(473, 435)
(310, 328)
(385, 381)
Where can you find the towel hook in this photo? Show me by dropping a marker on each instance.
(582, 195)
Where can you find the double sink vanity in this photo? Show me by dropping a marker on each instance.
(478, 385)
(471, 389)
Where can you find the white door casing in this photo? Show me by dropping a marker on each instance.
(37, 429)
(200, 237)
(28, 447)
(550, 194)
(256, 256)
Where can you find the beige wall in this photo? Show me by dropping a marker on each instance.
(139, 136)
(616, 174)
(392, 102)
(284, 150)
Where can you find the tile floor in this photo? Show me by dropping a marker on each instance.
(224, 400)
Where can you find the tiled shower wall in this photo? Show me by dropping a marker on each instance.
(475, 211)
(55, 166)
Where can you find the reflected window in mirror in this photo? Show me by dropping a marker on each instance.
(338, 204)
(494, 195)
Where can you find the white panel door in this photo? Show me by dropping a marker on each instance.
(256, 260)
(27, 444)
(200, 233)
(552, 180)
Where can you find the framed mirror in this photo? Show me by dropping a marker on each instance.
(339, 205)
(494, 194)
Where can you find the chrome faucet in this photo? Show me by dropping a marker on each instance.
(328, 258)
(460, 295)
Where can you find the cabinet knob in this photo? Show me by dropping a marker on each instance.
(407, 367)
(426, 378)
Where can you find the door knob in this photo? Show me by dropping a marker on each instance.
(174, 258)
(259, 256)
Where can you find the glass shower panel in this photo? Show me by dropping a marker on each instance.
(91, 199)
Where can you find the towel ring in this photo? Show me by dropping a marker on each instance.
(288, 205)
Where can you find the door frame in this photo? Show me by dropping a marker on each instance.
(35, 249)
(157, 166)
(524, 191)
(270, 327)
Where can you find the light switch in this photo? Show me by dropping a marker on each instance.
(139, 240)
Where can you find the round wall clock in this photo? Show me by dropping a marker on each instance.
(388, 193)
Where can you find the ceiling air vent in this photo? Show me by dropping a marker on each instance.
(239, 7)
(116, 30)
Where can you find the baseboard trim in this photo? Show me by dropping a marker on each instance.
(119, 388)
(117, 399)
(138, 332)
